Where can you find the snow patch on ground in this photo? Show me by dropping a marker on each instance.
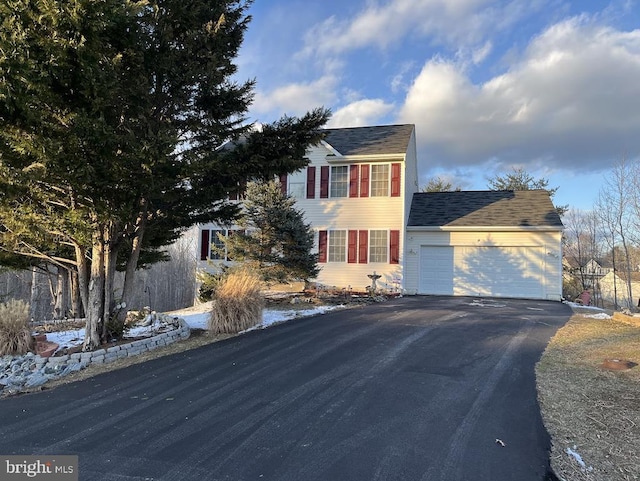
(581, 306)
(599, 315)
(196, 317)
(574, 454)
(483, 303)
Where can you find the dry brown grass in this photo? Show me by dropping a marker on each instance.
(15, 335)
(589, 409)
(237, 304)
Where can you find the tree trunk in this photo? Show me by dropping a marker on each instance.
(110, 256)
(35, 293)
(77, 310)
(132, 261)
(62, 295)
(95, 306)
(83, 278)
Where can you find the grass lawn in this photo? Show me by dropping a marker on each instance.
(592, 413)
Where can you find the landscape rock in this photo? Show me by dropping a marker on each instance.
(19, 373)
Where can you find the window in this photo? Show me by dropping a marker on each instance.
(298, 184)
(339, 181)
(378, 246)
(359, 246)
(379, 180)
(337, 246)
(218, 250)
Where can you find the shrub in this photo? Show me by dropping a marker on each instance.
(238, 303)
(15, 335)
(209, 283)
(115, 328)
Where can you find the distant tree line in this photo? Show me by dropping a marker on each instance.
(609, 233)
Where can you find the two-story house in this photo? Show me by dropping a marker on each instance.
(356, 193)
(360, 194)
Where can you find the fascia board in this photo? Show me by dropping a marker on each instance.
(484, 228)
(367, 158)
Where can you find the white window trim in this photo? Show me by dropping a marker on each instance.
(388, 192)
(330, 234)
(386, 246)
(331, 196)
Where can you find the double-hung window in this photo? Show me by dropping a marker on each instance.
(380, 180)
(337, 246)
(339, 181)
(218, 249)
(378, 246)
(298, 184)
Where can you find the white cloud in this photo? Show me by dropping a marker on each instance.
(479, 54)
(572, 100)
(360, 113)
(296, 98)
(458, 23)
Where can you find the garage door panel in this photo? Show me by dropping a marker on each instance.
(483, 271)
(436, 270)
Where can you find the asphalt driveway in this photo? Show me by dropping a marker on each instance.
(419, 388)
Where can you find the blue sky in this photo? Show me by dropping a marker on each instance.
(551, 86)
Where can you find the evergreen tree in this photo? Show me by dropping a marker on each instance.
(520, 179)
(274, 238)
(111, 118)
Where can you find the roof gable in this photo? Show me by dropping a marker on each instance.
(505, 208)
(374, 140)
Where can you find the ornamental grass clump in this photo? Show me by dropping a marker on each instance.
(15, 335)
(237, 303)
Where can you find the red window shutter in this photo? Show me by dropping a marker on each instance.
(395, 180)
(363, 249)
(311, 182)
(364, 181)
(204, 244)
(352, 251)
(324, 182)
(283, 183)
(322, 246)
(394, 247)
(353, 180)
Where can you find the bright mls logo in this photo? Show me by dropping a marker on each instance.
(50, 468)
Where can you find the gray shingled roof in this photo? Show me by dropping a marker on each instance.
(485, 208)
(383, 139)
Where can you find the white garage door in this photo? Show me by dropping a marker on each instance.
(483, 271)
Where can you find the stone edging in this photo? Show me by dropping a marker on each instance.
(131, 349)
(30, 371)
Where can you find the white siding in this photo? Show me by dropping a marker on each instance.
(357, 213)
(529, 259)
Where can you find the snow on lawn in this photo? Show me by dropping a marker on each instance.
(196, 317)
(582, 306)
(598, 313)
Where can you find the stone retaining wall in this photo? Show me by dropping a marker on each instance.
(131, 349)
(18, 373)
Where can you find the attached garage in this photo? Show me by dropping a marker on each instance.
(485, 244)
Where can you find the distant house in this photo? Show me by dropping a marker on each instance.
(484, 243)
(588, 274)
(613, 287)
(360, 195)
(597, 268)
